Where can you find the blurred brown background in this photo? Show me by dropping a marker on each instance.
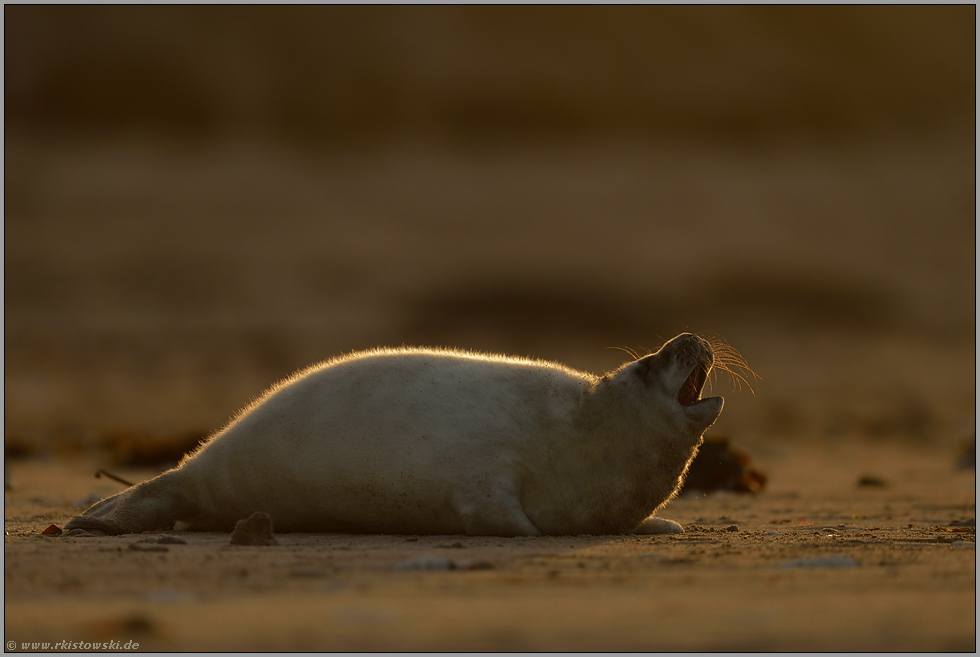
(201, 200)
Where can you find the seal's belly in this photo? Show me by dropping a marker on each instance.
(384, 464)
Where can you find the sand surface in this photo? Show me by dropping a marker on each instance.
(816, 563)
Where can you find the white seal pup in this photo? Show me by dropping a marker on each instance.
(416, 441)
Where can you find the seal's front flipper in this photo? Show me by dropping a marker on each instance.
(498, 513)
(154, 504)
(654, 525)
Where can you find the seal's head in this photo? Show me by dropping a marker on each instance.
(675, 377)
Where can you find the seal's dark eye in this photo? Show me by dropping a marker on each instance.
(644, 369)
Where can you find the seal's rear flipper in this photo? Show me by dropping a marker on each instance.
(154, 504)
(658, 526)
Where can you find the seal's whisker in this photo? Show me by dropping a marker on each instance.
(728, 359)
(737, 378)
(726, 350)
(730, 356)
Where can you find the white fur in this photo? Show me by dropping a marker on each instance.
(423, 441)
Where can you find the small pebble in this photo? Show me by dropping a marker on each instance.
(167, 596)
(171, 540)
(427, 563)
(142, 547)
(164, 540)
(442, 563)
(309, 573)
(820, 562)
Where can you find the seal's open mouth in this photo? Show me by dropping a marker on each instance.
(690, 392)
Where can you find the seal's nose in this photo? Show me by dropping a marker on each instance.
(690, 348)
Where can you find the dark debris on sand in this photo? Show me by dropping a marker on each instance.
(719, 466)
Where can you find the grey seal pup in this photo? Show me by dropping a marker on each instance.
(421, 441)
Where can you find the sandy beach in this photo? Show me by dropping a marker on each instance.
(816, 563)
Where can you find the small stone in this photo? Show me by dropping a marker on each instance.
(167, 596)
(309, 572)
(730, 528)
(254, 530)
(427, 563)
(164, 540)
(138, 623)
(821, 562)
(142, 547)
(171, 540)
(52, 530)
